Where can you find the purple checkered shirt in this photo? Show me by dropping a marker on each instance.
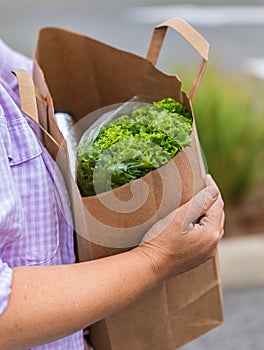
(34, 212)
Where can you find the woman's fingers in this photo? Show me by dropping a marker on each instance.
(213, 220)
(190, 212)
(209, 181)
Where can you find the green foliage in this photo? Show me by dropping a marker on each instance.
(229, 115)
(130, 146)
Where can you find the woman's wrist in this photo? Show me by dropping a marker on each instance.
(151, 262)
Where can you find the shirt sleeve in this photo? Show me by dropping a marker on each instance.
(5, 285)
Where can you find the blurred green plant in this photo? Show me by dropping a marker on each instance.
(229, 112)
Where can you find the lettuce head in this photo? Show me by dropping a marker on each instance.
(131, 146)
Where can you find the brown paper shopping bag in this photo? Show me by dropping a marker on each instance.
(83, 76)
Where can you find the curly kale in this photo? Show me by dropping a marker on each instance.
(130, 146)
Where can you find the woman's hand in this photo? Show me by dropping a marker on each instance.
(187, 236)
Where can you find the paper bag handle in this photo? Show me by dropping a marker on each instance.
(195, 39)
(28, 99)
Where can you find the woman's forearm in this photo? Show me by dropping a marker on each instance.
(48, 303)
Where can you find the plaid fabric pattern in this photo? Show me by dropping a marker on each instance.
(35, 219)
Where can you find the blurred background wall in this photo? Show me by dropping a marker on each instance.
(231, 27)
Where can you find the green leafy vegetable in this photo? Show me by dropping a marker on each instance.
(130, 146)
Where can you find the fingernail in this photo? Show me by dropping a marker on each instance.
(212, 192)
